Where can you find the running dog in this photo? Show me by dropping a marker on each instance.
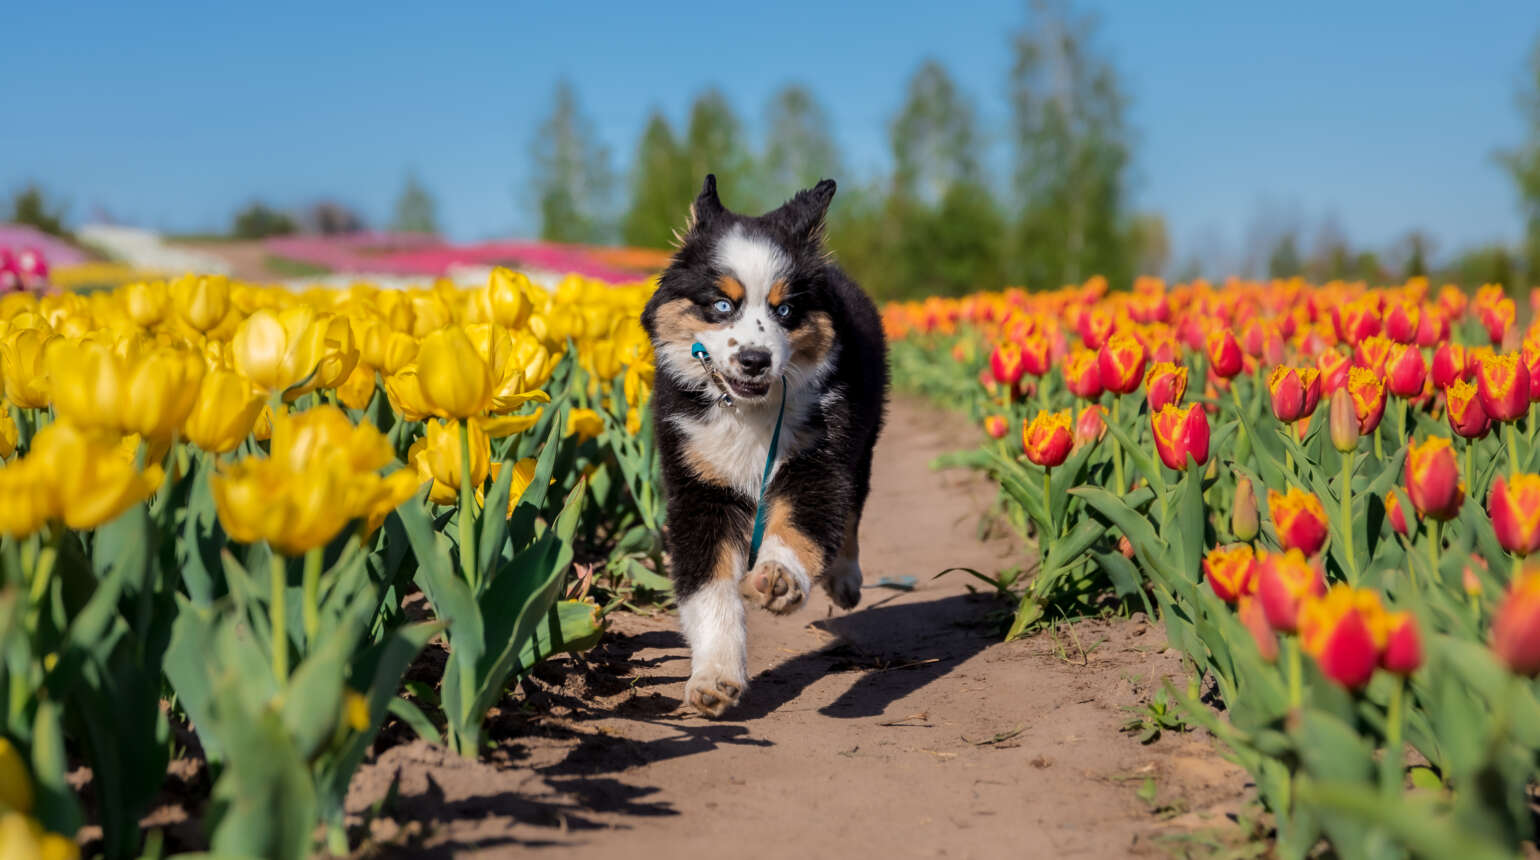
(753, 317)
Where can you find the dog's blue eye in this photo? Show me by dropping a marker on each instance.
(783, 310)
(722, 306)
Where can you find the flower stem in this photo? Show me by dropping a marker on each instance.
(1117, 451)
(1347, 516)
(467, 512)
(1434, 541)
(312, 591)
(1379, 447)
(278, 616)
(1296, 672)
(1391, 766)
(1048, 499)
(1511, 436)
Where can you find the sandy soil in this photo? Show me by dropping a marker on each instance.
(903, 728)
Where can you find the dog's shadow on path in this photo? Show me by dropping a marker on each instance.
(893, 648)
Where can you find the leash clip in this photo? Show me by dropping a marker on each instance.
(699, 353)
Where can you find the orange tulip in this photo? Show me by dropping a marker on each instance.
(1006, 363)
(1403, 644)
(1224, 353)
(1516, 627)
(1448, 365)
(1231, 571)
(1122, 360)
(1368, 394)
(1295, 392)
(1082, 374)
(1405, 371)
(1345, 631)
(1179, 434)
(1284, 581)
(1514, 507)
(1502, 381)
(1047, 438)
(1164, 385)
(1433, 479)
(1299, 519)
(1467, 418)
(996, 426)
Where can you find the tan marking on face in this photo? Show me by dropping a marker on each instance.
(777, 292)
(676, 321)
(812, 340)
(730, 287)
(779, 524)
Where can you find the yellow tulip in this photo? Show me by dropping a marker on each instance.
(404, 391)
(523, 476)
(455, 380)
(508, 294)
(22, 363)
(355, 709)
(526, 371)
(585, 424)
(436, 457)
(201, 301)
(29, 500)
(15, 780)
(258, 499)
(638, 384)
(89, 381)
(302, 439)
(376, 497)
(499, 426)
(162, 390)
(429, 313)
(91, 478)
(358, 389)
(339, 353)
(23, 837)
(278, 350)
(145, 302)
(224, 413)
(9, 436)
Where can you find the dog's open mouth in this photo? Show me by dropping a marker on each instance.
(749, 389)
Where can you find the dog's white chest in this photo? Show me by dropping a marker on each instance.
(731, 443)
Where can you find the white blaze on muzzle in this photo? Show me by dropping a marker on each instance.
(757, 263)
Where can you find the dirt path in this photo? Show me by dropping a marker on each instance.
(859, 735)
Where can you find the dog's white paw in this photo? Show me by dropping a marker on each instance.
(842, 581)
(775, 586)
(711, 691)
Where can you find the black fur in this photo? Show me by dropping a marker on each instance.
(826, 484)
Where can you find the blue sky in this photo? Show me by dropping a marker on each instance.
(1383, 115)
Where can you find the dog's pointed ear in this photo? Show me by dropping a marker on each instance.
(806, 210)
(707, 207)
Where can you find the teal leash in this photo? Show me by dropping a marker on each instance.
(761, 514)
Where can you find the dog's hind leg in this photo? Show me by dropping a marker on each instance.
(842, 580)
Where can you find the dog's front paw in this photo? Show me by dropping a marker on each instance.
(843, 583)
(712, 692)
(773, 586)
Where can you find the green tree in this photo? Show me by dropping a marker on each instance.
(573, 178)
(258, 221)
(1071, 151)
(661, 187)
(713, 143)
(799, 149)
(1523, 164)
(31, 207)
(1284, 261)
(415, 209)
(934, 138)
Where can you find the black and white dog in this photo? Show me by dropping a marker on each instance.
(768, 304)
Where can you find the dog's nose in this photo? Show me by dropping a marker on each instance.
(754, 360)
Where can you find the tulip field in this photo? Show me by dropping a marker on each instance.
(215, 498)
(1327, 494)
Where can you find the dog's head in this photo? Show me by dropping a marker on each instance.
(752, 291)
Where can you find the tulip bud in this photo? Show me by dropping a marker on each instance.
(1005, 363)
(1394, 513)
(1471, 582)
(1082, 374)
(1433, 479)
(1224, 353)
(1047, 438)
(1368, 394)
(1448, 365)
(1299, 519)
(1344, 421)
(1514, 507)
(1402, 320)
(1091, 426)
(1516, 627)
(1405, 371)
(1244, 522)
(996, 426)
(1164, 385)
(1295, 392)
(1034, 354)
(1180, 434)
(1497, 317)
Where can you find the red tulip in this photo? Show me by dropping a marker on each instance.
(1358, 319)
(1047, 439)
(1394, 513)
(1231, 571)
(1164, 385)
(1373, 353)
(1333, 367)
(1295, 392)
(1299, 519)
(1497, 317)
(1466, 417)
(1180, 434)
(1343, 631)
(1034, 354)
(1401, 321)
(1121, 361)
(1514, 507)
(1368, 394)
(1503, 381)
(1091, 425)
(1006, 364)
(1405, 371)
(1224, 353)
(997, 426)
(1403, 644)
(1251, 614)
(1433, 479)
(1516, 627)
(1082, 374)
(1449, 365)
(1284, 581)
